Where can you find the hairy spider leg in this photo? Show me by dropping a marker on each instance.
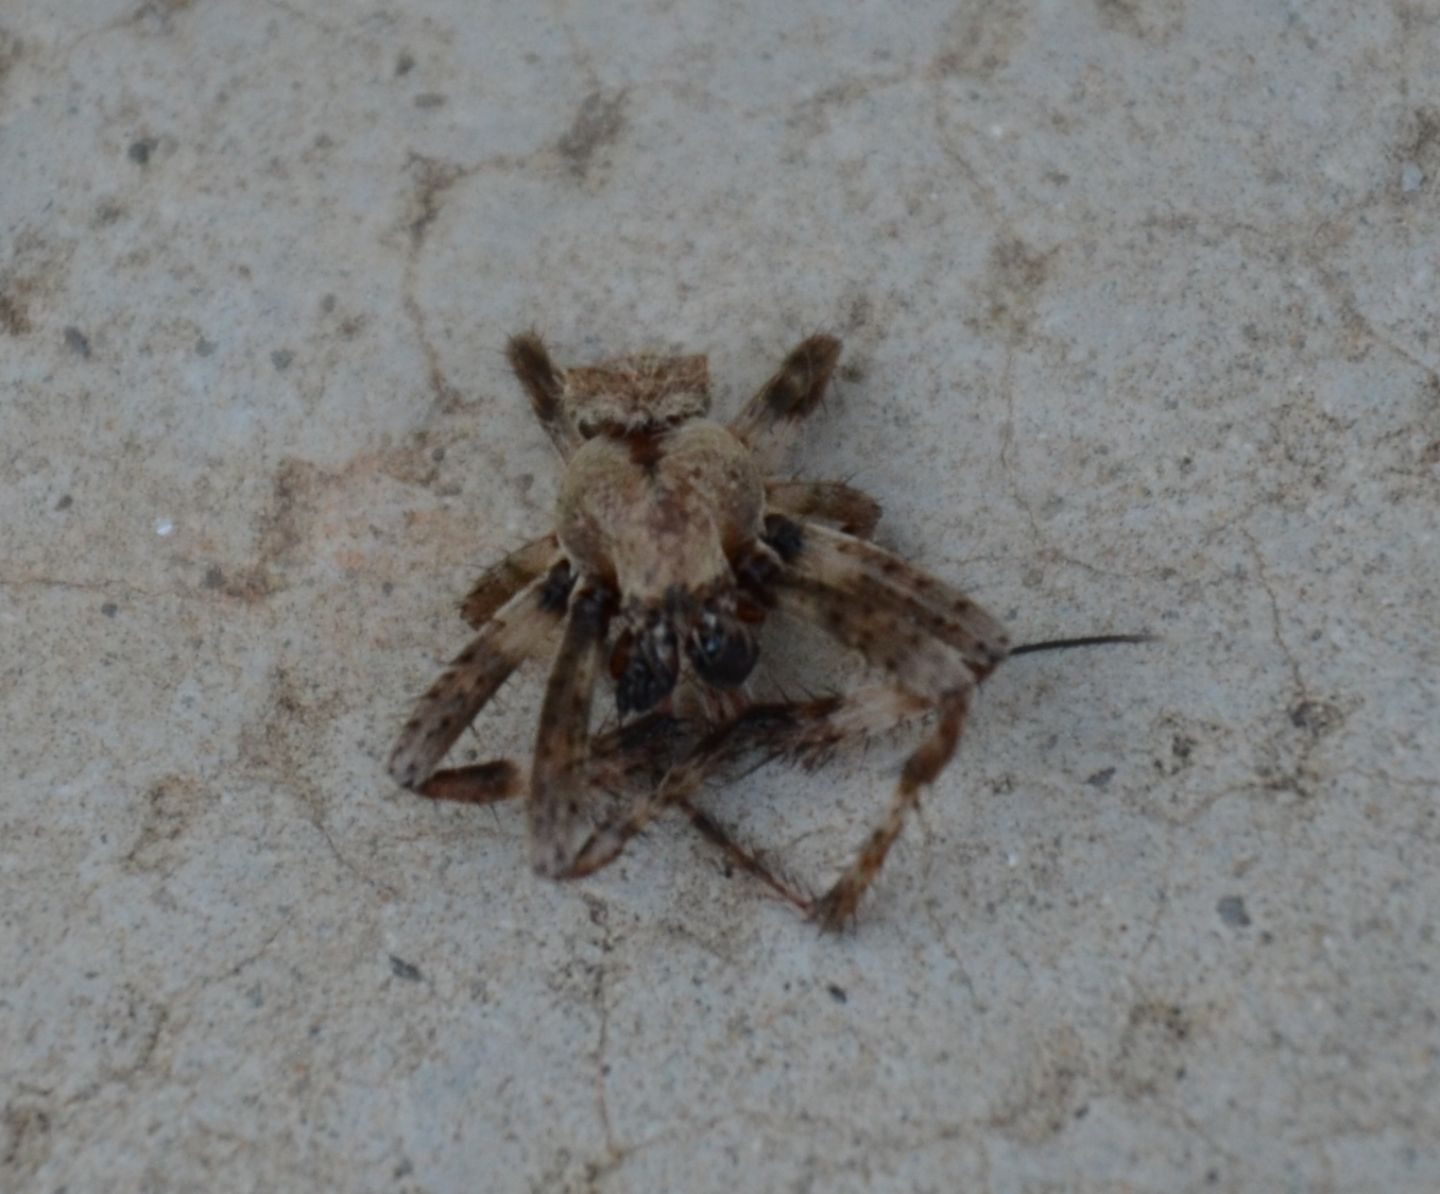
(766, 424)
(852, 510)
(517, 632)
(545, 386)
(562, 746)
(503, 579)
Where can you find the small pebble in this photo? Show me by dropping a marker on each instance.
(1232, 911)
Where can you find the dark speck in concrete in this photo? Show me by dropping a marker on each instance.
(1101, 778)
(404, 62)
(1232, 911)
(281, 358)
(77, 342)
(204, 347)
(139, 151)
(109, 609)
(65, 502)
(598, 123)
(214, 577)
(1318, 717)
(430, 99)
(13, 316)
(400, 968)
(837, 993)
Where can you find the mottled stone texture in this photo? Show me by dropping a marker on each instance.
(1140, 306)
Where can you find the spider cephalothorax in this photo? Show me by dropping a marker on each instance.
(672, 546)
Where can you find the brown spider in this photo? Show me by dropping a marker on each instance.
(669, 530)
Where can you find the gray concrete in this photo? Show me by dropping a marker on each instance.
(1140, 303)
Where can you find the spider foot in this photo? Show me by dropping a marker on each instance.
(835, 911)
(479, 783)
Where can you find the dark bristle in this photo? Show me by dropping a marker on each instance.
(784, 536)
(591, 611)
(555, 592)
(1094, 640)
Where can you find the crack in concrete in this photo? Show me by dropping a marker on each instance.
(382, 890)
(1007, 443)
(943, 936)
(106, 586)
(600, 917)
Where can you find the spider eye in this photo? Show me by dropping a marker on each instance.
(646, 667)
(722, 650)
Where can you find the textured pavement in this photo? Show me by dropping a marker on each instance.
(1140, 303)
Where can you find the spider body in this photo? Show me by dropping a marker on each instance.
(671, 548)
(658, 516)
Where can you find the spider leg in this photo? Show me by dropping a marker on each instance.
(853, 510)
(746, 860)
(477, 783)
(562, 748)
(641, 750)
(935, 649)
(514, 634)
(766, 422)
(606, 843)
(546, 388)
(891, 586)
(807, 732)
(501, 581)
(804, 730)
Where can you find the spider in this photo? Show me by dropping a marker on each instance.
(672, 546)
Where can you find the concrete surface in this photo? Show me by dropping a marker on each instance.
(1140, 301)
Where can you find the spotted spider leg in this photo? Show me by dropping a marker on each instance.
(852, 510)
(640, 751)
(545, 386)
(892, 586)
(518, 631)
(558, 779)
(502, 580)
(933, 641)
(767, 423)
